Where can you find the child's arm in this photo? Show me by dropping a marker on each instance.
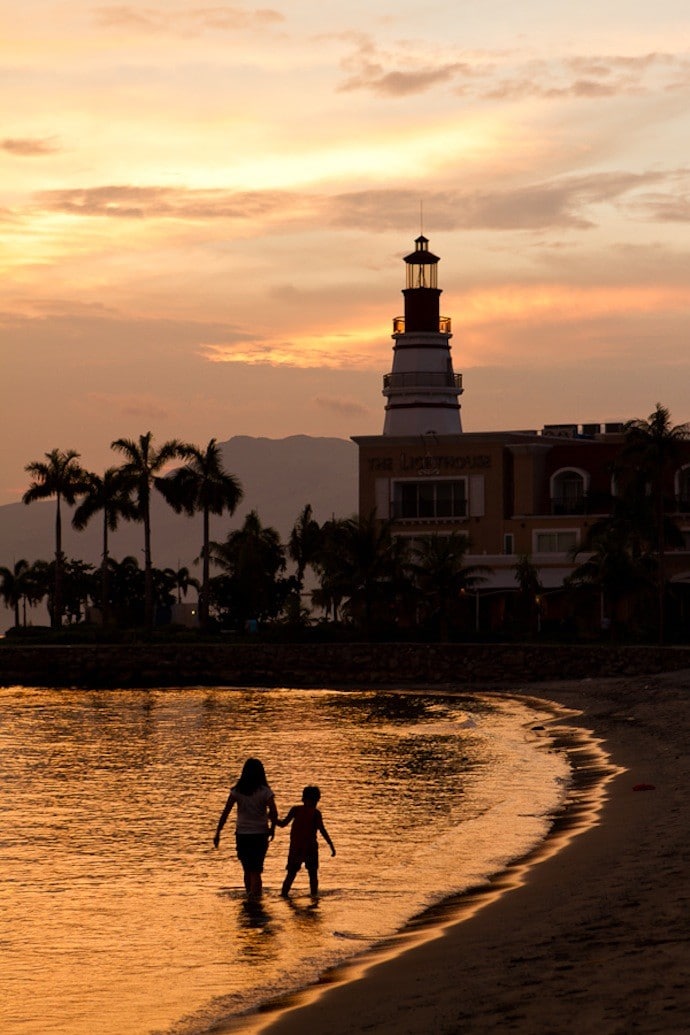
(286, 819)
(273, 817)
(324, 833)
(223, 816)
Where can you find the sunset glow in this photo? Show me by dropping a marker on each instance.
(204, 211)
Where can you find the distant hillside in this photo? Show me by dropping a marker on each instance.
(279, 477)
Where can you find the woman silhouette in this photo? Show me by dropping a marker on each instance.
(256, 821)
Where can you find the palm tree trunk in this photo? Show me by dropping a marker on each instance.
(148, 571)
(105, 604)
(661, 572)
(56, 616)
(205, 576)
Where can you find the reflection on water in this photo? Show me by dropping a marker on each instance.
(118, 915)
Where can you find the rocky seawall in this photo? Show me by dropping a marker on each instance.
(332, 665)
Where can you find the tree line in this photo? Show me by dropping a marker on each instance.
(365, 575)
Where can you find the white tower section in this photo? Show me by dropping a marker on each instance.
(421, 391)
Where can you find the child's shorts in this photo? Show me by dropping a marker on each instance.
(310, 861)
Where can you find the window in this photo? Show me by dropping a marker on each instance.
(555, 542)
(430, 499)
(683, 489)
(569, 491)
(508, 543)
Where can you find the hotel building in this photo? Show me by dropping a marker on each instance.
(514, 493)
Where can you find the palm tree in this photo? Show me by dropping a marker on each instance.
(303, 548)
(614, 568)
(652, 450)
(61, 476)
(304, 542)
(362, 562)
(331, 591)
(182, 581)
(81, 584)
(111, 495)
(40, 578)
(13, 587)
(529, 590)
(126, 581)
(253, 558)
(438, 565)
(203, 485)
(142, 465)
(33, 584)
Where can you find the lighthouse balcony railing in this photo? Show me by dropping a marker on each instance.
(422, 379)
(444, 324)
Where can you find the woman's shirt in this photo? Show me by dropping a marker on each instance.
(252, 810)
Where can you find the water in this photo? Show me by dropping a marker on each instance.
(116, 913)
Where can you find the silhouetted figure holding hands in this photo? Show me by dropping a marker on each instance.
(255, 808)
(306, 821)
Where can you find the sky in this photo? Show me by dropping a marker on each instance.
(204, 208)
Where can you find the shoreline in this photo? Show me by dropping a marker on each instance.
(567, 939)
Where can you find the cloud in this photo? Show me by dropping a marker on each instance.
(516, 89)
(406, 69)
(218, 18)
(665, 208)
(326, 351)
(559, 203)
(400, 84)
(29, 147)
(145, 406)
(342, 407)
(588, 77)
(130, 202)
(593, 77)
(370, 69)
(564, 202)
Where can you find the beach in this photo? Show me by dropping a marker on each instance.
(590, 934)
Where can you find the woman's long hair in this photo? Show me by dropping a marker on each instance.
(253, 776)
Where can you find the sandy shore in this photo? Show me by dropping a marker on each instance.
(593, 937)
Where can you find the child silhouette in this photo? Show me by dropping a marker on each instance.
(306, 821)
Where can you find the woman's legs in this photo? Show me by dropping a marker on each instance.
(251, 851)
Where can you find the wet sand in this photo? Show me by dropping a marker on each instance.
(591, 934)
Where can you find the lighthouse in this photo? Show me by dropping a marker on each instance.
(422, 391)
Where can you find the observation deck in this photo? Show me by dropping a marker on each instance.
(422, 380)
(444, 325)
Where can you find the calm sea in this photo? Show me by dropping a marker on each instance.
(118, 916)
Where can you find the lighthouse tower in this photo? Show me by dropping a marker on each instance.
(421, 391)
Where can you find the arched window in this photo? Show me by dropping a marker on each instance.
(682, 480)
(569, 488)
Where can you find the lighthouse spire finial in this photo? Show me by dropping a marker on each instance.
(421, 217)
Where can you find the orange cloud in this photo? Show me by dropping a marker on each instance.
(544, 302)
(147, 407)
(29, 147)
(406, 69)
(342, 407)
(351, 349)
(220, 18)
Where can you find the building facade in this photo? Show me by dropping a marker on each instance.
(518, 493)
